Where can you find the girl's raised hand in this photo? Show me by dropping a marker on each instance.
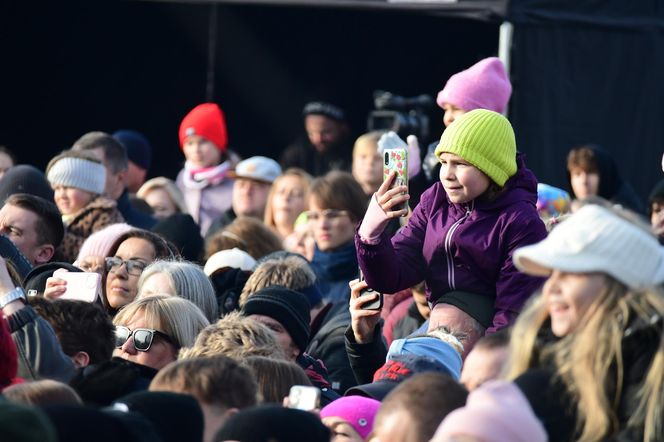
(389, 198)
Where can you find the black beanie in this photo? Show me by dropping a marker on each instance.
(36, 279)
(273, 423)
(25, 179)
(182, 230)
(287, 306)
(176, 417)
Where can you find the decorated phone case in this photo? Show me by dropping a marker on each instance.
(396, 159)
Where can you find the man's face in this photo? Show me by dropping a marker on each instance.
(323, 132)
(115, 182)
(19, 225)
(283, 337)
(135, 177)
(250, 197)
(482, 365)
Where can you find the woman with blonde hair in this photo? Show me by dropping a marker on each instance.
(286, 200)
(596, 328)
(152, 330)
(183, 279)
(163, 196)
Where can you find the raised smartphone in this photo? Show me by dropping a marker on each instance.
(82, 286)
(396, 160)
(303, 397)
(376, 304)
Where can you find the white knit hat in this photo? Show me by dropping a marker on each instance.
(594, 239)
(78, 173)
(234, 258)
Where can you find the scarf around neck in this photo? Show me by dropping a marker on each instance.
(201, 177)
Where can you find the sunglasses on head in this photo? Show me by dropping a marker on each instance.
(143, 337)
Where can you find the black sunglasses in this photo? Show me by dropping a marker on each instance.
(143, 337)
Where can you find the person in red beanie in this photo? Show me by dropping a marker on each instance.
(204, 180)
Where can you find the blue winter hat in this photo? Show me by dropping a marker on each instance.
(139, 149)
(431, 347)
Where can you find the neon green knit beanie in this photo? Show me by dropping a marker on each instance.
(486, 140)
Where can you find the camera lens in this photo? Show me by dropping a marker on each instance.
(387, 158)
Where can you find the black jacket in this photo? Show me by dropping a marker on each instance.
(365, 359)
(327, 344)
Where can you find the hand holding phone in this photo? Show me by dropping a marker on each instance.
(376, 304)
(82, 286)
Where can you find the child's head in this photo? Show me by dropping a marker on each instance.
(76, 178)
(367, 164)
(477, 151)
(203, 135)
(350, 418)
(484, 85)
(583, 169)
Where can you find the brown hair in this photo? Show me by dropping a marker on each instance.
(339, 190)
(49, 228)
(42, 393)
(582, 158)
(420, 396)
(291, 271)
(214, 380)
(246, 233)
(275, 377)
(235, 336)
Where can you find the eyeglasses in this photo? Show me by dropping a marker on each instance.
(328, 214)
(143, 337)
(134, 267)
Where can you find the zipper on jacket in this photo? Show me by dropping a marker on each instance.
(448, 243)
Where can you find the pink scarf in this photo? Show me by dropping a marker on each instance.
(201, 177)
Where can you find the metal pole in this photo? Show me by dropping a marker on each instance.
(211, 56)
(505, 48)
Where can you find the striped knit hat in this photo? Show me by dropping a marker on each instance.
(486, 140)
(78, 173)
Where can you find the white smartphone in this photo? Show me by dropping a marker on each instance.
(82, 286)
(303, 397)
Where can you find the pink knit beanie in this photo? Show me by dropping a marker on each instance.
(358, 411)
(484, 85)
(495, 412)
(100, 242)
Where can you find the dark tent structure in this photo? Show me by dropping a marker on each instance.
(583, 71)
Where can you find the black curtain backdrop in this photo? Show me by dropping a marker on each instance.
(589, 72)
(74, 67)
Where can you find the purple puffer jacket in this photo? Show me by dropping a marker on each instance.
(464, 247)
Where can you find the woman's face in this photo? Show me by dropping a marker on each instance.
(157, 284)
(584, 184)
(287, 202)
(161, 203)
(341, 430)
(160, 353)
(70, 199)
(568, 298)
(201, 152)
(451, 113)
(332, 228)
(91, 263)
(121, 284)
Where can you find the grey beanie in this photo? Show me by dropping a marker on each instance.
(78, 173)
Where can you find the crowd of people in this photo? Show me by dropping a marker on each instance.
(315, 297)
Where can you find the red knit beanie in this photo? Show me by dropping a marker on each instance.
(205, 120)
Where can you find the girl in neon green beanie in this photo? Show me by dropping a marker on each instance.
(461, 235)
